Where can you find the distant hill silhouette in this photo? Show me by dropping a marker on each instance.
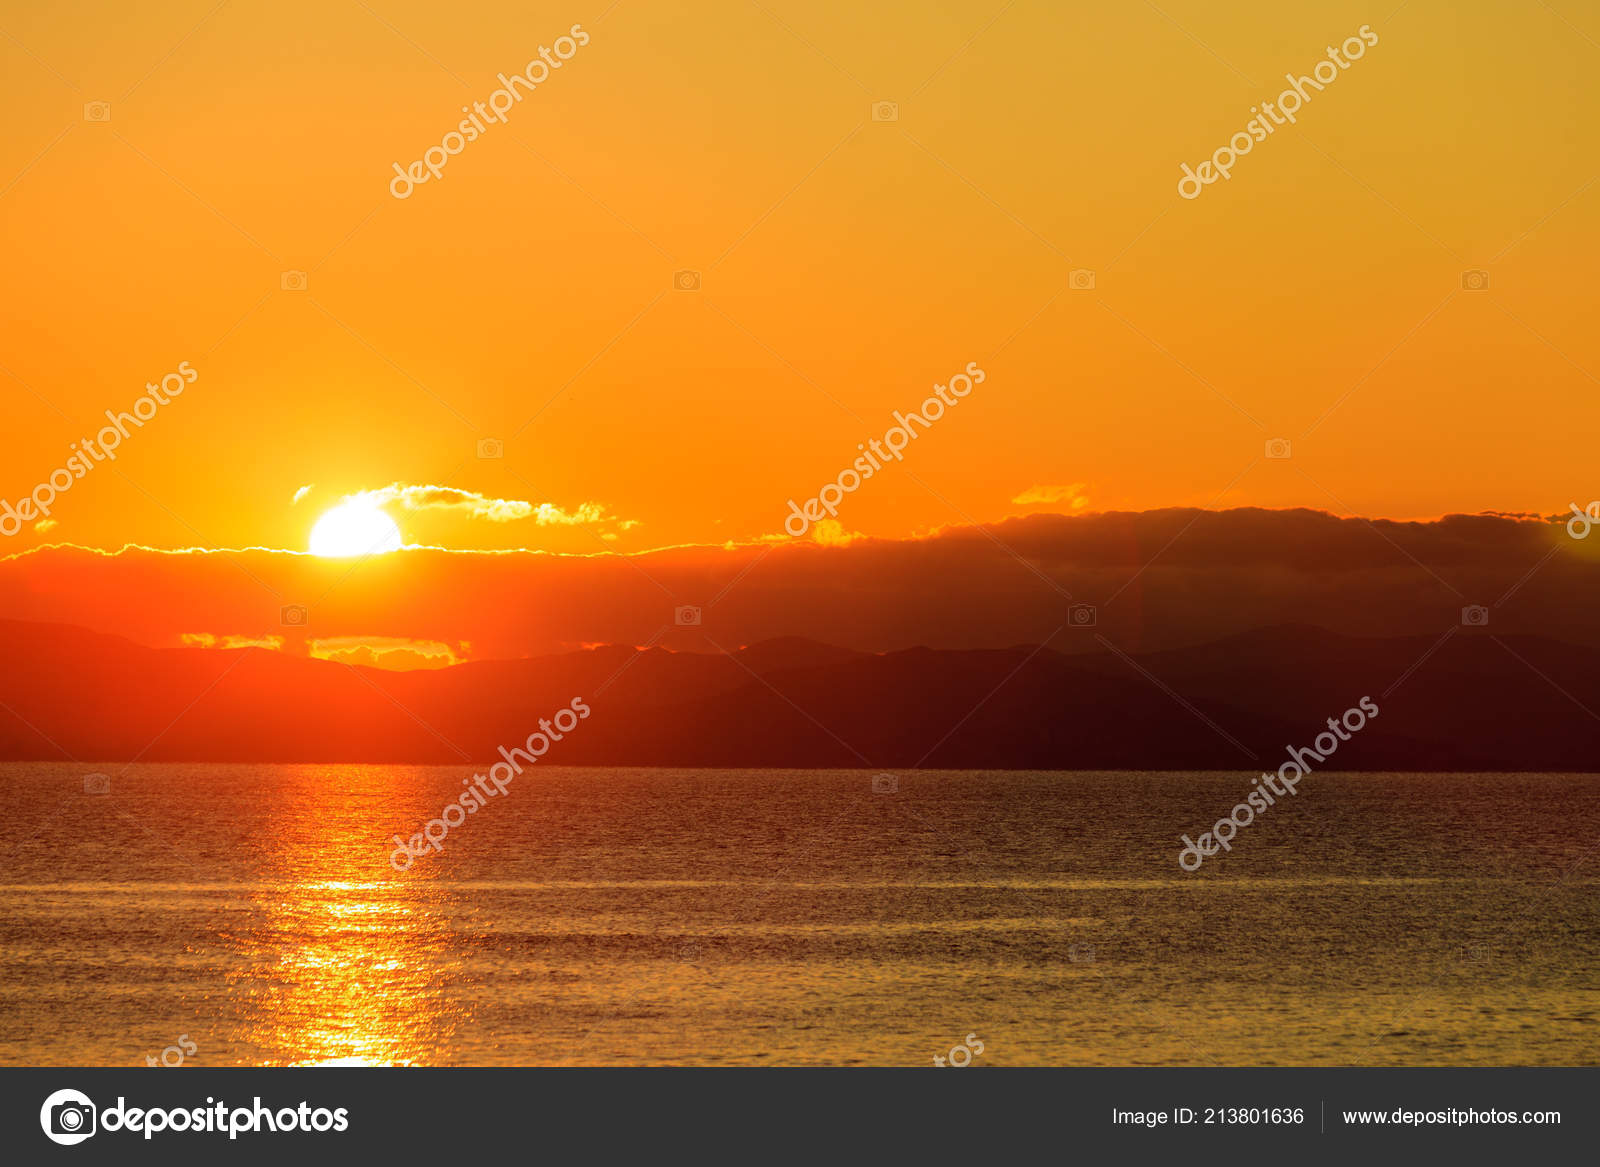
(1475, 702)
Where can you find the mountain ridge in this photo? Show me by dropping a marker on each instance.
(1466, 700)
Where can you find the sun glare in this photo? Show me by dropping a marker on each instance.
(354, 528)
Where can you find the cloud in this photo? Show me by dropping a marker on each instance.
(302, 492)
(211, 640)
(388, 652)
(1159, 579)
(1075, 496)
(480, 506)
(831, 533)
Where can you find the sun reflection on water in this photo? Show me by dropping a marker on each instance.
(341, 971)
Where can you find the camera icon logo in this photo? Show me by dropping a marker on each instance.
(293, 281)
(687, 616)
(1080, 953)
(1083, 616)
(885, 784)
(293, 616)
(97, 111)
(1277, 447)
(491, 448)
(68, 1117)
(1081, 279)
(686, 281)
(1475, 280)
(1475, 616)
(885, 111)
(96, 784)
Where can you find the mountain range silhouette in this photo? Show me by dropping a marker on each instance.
(1464, 701)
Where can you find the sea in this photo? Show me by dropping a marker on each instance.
(259, 915)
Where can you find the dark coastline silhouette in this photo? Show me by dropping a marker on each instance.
(1469, 702)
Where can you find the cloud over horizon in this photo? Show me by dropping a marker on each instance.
(472, 504)
(1075, 496)
(1156, 578)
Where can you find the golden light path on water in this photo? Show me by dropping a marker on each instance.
(681, 917)
(342, 972)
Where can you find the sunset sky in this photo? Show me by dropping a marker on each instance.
(847, 264)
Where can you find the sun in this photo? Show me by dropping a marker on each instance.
(354, 528)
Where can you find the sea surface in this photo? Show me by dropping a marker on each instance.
(773, 917)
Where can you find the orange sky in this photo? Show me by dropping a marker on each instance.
(846, 264)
